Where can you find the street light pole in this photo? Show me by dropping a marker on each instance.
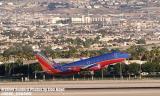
(28, 72)
(73, 78)
(102, 74)
(44, 76)
(35, 75)
(121, 76)
(140, 76)
(92, 73)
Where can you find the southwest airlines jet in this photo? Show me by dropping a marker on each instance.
(91, 64)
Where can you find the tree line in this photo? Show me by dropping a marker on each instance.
(25, 52)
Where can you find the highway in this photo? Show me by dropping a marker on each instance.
(92, 88)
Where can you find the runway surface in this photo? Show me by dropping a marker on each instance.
(90, 88)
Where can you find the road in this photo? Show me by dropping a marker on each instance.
(91, 88)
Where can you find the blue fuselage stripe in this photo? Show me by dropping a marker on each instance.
(94, 60)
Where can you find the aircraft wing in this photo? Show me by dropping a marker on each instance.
(81, 68)
(88, 66)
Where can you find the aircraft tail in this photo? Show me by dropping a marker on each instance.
(46, 64)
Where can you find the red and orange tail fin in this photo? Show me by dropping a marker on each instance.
(46, 64)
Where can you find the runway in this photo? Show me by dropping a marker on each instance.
(91, 88)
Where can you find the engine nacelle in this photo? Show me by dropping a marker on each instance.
(75, 69)
(95, 67)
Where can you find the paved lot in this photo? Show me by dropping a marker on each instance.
(92, 88)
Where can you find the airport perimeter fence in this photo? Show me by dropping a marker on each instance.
(25, 79)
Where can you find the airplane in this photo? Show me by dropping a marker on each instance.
(91, 64)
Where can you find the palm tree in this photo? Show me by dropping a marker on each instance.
(137, 52)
